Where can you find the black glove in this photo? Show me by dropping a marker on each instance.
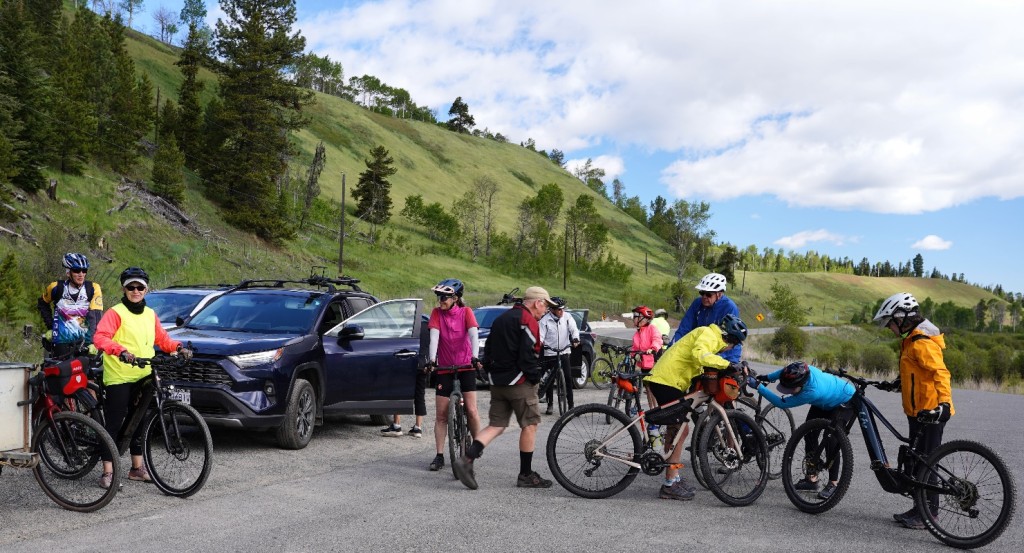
(932, 416)
(763, 378)
(185, 353)
(735, 368)
(892, 386)
(126, 357)
(476, 363)
(575, 343)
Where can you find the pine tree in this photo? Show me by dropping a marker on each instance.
(168, 122)
(373, 192)
(9, 130)
(73, 114)
(190, 116)
(129, 114)
(256, 46)
(168, 164)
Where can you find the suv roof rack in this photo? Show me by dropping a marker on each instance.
(222, 285)
(318, 281)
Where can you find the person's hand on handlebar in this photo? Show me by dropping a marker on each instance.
(891, 386)
(932, 416)
(126, 357)
(477, 364)
(575, 343)
(752, 382)
(184, 352)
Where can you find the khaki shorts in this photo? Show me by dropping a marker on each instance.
(521, 400)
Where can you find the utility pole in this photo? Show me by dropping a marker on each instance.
(341, 233)
(565, 258)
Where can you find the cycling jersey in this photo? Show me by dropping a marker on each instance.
(686, 359)
(697, 316)
(71, 313)
(513, 348)
(454, 346)
(822, 390)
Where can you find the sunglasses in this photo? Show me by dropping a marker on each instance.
(135, 288)
(82, 271)
(708, 294)
(444, 297)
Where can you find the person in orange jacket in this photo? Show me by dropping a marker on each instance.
(924, 380)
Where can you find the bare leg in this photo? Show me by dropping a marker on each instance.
(441, 422)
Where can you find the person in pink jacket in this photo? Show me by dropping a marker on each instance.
(647, 338)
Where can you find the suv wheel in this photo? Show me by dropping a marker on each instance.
(581, 380)
(297, 427)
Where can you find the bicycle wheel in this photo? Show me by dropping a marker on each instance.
(560, 385)
(736, 475)
(777, 425)
(614, 400)
(601, 373)
(70, 448)
(458, 429)
(698, 430)
(180, 459)
(978, 497)
(829, 449)
(584, 461)
(83, 401)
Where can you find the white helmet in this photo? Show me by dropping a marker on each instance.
(712, 282)
(899, 305)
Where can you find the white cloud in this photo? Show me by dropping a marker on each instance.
(613, 166)
(866, 105)
(805, 237)
(932, 242)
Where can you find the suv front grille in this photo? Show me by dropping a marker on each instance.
(207, 372)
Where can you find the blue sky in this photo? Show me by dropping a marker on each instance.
(864, 128)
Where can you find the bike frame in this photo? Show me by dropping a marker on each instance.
(150, 390)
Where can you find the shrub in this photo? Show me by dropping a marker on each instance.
(789, 342)
(956, 362)
(825, 360)
(879, 359)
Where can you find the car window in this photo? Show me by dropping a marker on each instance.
(261, 311)
(357, 304)
(485, 316)
(390, 319)
(171, 305)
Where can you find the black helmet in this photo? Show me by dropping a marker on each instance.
(793, 377)
(449, 287)
(134, 273)
(75, 261)
(733, 329)
(557, 302)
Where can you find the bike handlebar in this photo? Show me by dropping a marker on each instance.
(510, 297)
(453, 368)
(860, 382)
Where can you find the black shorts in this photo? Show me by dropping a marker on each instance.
(664, 394)
(443, 383)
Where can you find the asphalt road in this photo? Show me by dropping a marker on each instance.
(352, 490)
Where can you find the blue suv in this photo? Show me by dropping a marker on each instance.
(280, 354)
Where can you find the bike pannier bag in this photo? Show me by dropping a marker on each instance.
(65, 378)
(671, 413)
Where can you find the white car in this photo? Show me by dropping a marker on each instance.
(182, 302)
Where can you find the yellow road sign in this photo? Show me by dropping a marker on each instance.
(759, 317)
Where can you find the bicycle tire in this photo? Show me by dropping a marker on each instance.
(796, 463)
(777, 425)
(739, 477)
(183, 469)
(601, 373)
(575, 438)
(75, 442)
(982, 494)
(560, 391)
(82, 401)
(458, 429)
(744, 404)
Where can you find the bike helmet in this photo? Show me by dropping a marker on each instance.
(134, 274)
(449, 287)
(75, 261)
(896, 306)
(793, 377)
(660, 313)
(557, 302)
(712, 282)
(734, 330)
(643, 311)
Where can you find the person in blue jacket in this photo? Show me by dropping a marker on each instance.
(803, 384)
(710, 307)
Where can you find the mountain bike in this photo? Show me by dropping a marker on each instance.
(966, 483)
(176, 444)
(459, 437)
(65, 449)
(553, 380)
(594, 459)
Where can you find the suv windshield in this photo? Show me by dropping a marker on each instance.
(485, 315)
(261, 311)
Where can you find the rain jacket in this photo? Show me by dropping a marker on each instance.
(686, 359)
(698, 315)
(923, 373)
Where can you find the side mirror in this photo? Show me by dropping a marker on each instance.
(179, 321)
(351, 332)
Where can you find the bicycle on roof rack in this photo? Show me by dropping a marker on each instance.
(510, 298)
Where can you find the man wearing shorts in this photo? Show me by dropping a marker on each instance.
(512, 357)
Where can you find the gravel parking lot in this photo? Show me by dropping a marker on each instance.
(354, 490)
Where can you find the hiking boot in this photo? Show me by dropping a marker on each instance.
(827, 491)
(139, 475)
(106, 480)
(675, 491)
(550, 410)
(463, 468)
(806, 485)
(685, 484)
(391, 431)
(913, 522)
(899, 517)
(438, 463)
(416, 432)
(532, 480)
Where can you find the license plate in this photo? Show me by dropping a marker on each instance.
(184, 396)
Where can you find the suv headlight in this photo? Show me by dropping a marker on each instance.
(247, 360)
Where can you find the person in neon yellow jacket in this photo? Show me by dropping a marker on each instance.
(127, 331)
(672, 375)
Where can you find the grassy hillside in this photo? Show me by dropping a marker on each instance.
(431, 161)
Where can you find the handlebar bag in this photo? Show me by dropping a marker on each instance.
(66, 377)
